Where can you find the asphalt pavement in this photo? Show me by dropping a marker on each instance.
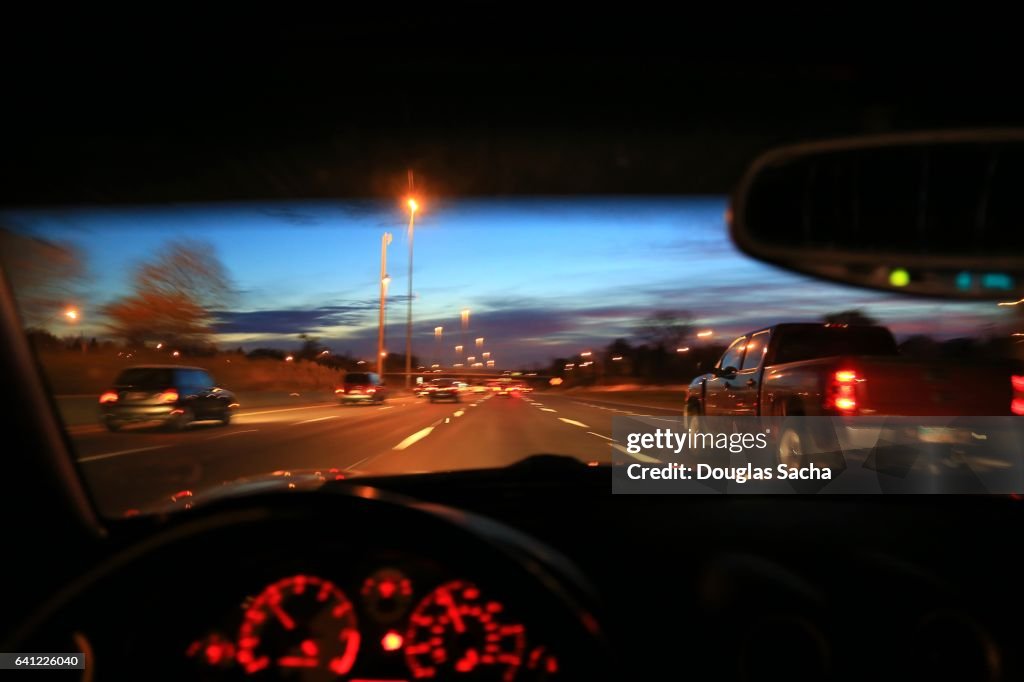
(141, 466)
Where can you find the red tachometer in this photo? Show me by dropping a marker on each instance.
(303, 624)
(454, 631)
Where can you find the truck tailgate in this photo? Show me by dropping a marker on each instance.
(901, 386)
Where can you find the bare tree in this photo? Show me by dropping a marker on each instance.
(174, 297)
(854, 317)
(666, 329)
(44, 275)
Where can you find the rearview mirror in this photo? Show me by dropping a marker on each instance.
(932, 214)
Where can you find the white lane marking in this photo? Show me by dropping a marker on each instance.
(473, 405)
(107, 455)
(233, 433)
(574, 422)
(388, 407)
(318, 419)
(287, 409)
(419, 435)
(352, 466)
(637, 455)
(460, 413)
(547, 409)
(600, 436)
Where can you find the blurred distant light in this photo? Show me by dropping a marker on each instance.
(1011, 302)
(684, 349)
(486, 355)
(555, 381)
(704, 334)
(413, 206)
(434, 366)
(438, 331)
(964, 280)
(159, 346)
(324, 352)
(175, 353)
(479, 341)
(478, 364)
(383, 354)
(71, 314)
(899, 277)
(361, 362)
(616, 358)
(585, 354)
(458, 364)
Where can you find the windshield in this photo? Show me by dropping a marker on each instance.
(592, 307)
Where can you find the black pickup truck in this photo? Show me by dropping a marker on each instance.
(846, 370)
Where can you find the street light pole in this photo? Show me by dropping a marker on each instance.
(465, 330)
(408, 319)
(384, 280)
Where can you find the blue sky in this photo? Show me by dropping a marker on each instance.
(542, 277)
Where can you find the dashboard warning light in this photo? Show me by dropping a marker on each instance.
(392, 641)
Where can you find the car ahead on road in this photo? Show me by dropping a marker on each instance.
(172, 394)
(443, 389)
(361, 387)
(790, 371)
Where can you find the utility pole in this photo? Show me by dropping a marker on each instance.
(384, 281)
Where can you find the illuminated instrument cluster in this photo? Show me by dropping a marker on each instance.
(305, 627)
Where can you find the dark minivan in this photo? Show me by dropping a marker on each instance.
(174, 395)
(361, 387)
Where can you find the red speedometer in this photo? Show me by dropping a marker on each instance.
(302, 624)
(455, 631)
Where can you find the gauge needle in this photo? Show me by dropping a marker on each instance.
(445, 599)
(283, 617)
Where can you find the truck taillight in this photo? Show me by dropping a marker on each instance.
(168, 396)
(843, 393)
(1017, 403)
(108, 397)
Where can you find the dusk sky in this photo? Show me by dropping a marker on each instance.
(543, 277)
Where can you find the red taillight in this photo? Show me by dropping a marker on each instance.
(168, 396)
(843, 391)
(1017, 406)
(1018, 383)
(108, 397)
(371, 390)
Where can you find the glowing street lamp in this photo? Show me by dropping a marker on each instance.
(72, 314)
(480, 342)
(704, 334)
(486, 355)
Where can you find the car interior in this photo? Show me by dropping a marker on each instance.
(534, 571)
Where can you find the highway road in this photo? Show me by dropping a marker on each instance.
(142, 466)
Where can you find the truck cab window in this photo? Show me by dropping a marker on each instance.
(734, 354)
